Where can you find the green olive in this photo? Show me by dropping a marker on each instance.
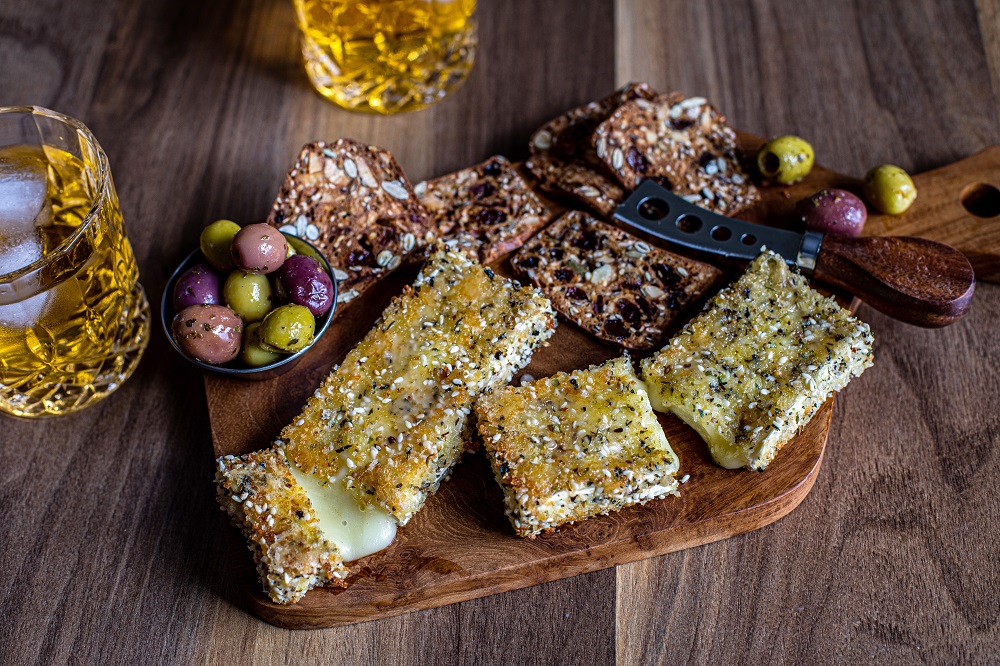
(248, 295)
(889, 189)
(215, 242)
(253, 354)
(289, 328)
(785, 160)
(302, 247)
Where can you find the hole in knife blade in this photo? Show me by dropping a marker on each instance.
(654, 209)
(721, 233)
(689, 223)
(748, 239)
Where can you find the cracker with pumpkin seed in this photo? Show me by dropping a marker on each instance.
(355, 204)
(563, 158)
(486, 210)
(610, 283)
(684, 144)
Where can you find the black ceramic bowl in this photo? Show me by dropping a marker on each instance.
(236, 368)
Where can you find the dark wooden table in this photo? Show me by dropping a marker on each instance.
(112, 549)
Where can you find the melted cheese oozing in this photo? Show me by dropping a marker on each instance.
(357, 529)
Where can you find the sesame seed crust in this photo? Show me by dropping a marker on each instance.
(394, 416)
(753, 368)
(275, 515)
(575, 445)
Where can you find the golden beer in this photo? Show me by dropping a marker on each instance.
(386, 56)
(74, 320)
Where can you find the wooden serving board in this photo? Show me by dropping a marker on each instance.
(461, 545)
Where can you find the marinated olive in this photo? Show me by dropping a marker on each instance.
(301, 247)
(248, 294)
(889, 189)
(833, 211)
(209, 333)
(259, 248)
(288, 328)
(306, 283)
(215, 242)
(786, 160)
(253, 354)
(198, 285)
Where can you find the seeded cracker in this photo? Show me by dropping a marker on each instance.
(355, 204)
(575, 445)
(563, 159)
(752, 369)
(685, 144)
(487, 209)
(275, 515)
(610, 283)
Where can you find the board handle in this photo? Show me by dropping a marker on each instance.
(914, 280)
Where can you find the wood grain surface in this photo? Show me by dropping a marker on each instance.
(111, 546)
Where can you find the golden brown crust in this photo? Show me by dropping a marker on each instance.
(575, 445)
(275, 515)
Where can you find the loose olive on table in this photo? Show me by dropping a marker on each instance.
(889, 189)
(833, 211)
(785, 160)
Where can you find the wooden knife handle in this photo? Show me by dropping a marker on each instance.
(914, 280)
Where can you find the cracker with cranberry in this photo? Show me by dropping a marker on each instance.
(610, 283)
(485, 211)
(355, 204)
(683, 143)
(563, 159)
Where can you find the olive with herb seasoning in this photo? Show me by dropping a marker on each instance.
(208, 333)
(248, 294)
(253, 354)
(889, 189)
(259, 248)
(288, 328)
(215, 242)
(785, 160)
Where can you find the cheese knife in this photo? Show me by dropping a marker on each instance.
(914, 280)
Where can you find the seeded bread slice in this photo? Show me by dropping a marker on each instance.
(684, 144)
(562, 155)
(753, 368)
(486, 209)
(355, 204)
(575, 445)
(610, 283)
(275, 515)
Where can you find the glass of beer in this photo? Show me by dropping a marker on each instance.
(74, 320)
(387, 56)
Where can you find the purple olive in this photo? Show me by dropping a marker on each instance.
(209, 333)
(306, 283)
(198, 285)
(833, 211)
(259, 248)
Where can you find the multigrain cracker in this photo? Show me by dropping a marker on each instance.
(355, 204)
(487, 209)
(562, 155)
(682, 143)
(610, 283)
